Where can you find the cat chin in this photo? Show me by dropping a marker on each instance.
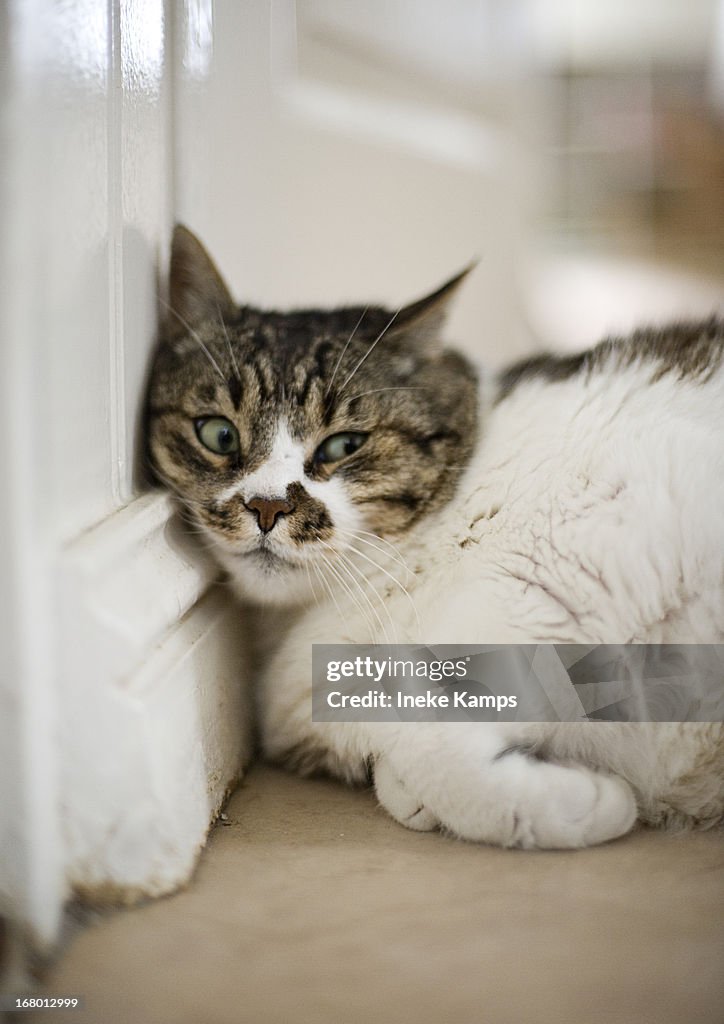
(274, 584)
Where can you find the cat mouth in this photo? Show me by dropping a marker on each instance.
(265, 558)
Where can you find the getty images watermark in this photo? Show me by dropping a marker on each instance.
(518, 682)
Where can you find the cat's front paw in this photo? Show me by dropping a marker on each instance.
(506, 797)
(399, 801)
(583, 808)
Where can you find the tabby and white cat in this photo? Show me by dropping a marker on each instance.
(358, 481)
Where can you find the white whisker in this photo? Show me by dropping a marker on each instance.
(394, 579)
(168, 482)
(400, 561)
(341, 355)
(196, 338)
(379, 337)
(346, 587)
(350, 569)
(351, 565)
(311, 585)
(330, 591)
(228, 343)
(382, 540)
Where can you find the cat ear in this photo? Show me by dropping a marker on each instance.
(196, 288)
(425, 317)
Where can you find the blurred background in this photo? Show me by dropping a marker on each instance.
(326, 151)
(575, 148)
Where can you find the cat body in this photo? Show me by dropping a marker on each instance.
(560, 532)
(569, 500)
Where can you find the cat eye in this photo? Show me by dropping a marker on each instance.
(218, 435)
(339, 446)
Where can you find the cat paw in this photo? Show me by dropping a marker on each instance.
(614, 812)
(529, 804)
(583, 809)
(399, 801)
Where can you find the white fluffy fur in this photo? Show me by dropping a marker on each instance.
(589, 514)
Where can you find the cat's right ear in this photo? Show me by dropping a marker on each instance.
(425, 318)
(197, 291)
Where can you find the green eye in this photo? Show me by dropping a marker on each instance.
(339, 446)
(218, 435)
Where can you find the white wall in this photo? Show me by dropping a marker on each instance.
(122, 708)
(326, 169)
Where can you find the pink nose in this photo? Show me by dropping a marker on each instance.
(268, 511)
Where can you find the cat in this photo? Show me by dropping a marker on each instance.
(360, 481)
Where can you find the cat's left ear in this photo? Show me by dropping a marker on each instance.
(197, 291)
(424, 318)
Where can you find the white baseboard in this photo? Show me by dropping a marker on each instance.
(155, 723)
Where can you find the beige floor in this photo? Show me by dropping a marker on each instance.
(313, 907)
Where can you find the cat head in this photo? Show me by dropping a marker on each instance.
(292, 438)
